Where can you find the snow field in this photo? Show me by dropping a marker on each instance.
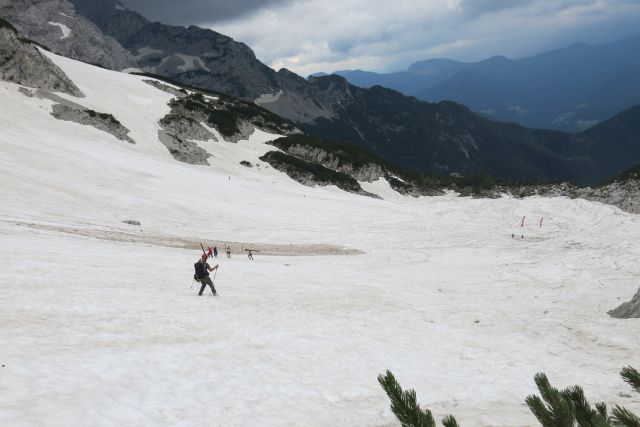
(111, 333)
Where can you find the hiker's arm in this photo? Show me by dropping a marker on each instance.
(214, 268)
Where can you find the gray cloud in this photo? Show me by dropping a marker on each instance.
(187, 12)
(474, 8)
(307, 36)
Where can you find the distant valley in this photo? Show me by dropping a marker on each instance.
(567, 89)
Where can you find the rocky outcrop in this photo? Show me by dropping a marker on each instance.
(351, 161)
(22, 63)
(184, 150)
(194, 113)
(625, 194)
(181, 127)
(55, 24)
(101, 121)
(178, 93)
(185, 127)
(63, 109)
(312, 174)
(629, 309)
(367, 172)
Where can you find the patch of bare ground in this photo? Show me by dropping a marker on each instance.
(272, 249)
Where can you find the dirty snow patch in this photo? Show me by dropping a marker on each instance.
(66, 31)
(267, 98)
(381, 188)
(191, 63)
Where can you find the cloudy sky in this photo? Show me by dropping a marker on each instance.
(307, 36)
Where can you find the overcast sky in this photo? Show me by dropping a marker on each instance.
(307, 36)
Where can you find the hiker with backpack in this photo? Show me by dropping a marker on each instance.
(202, 274)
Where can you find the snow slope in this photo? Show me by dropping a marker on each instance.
(105, 331)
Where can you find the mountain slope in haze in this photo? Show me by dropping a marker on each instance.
(443, 138)
(616, 141)
(411, 82)
(449, 138)
(566, 89)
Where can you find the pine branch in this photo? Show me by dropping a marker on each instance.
(632, 377)
(581, 408)
(602, 409)
(450, 421)
(586, 416)
(538, 408)
(624, 417)
(404, 404)
(559, 409)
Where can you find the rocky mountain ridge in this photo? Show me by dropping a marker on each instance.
(55, 24)
(443, 138)
(195, 114)
(21, 62)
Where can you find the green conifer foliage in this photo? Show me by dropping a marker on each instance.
(632, 377)
(405, 407)
(553, 408)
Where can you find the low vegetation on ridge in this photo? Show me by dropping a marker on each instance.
(226, 113)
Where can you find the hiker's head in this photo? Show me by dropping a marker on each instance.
(204, 257)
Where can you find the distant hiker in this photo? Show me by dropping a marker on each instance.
(228, 251)
(215, 251)
(202, 274)
(250, 254)
(209, 251)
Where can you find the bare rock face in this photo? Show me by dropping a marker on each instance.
(178, 93)
(625, 195)
(368, 172)
(55, 24)
(184, 150)
(629, 309)
(101, 121)
(22, 63)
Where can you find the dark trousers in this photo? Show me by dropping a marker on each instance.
(207, 281)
